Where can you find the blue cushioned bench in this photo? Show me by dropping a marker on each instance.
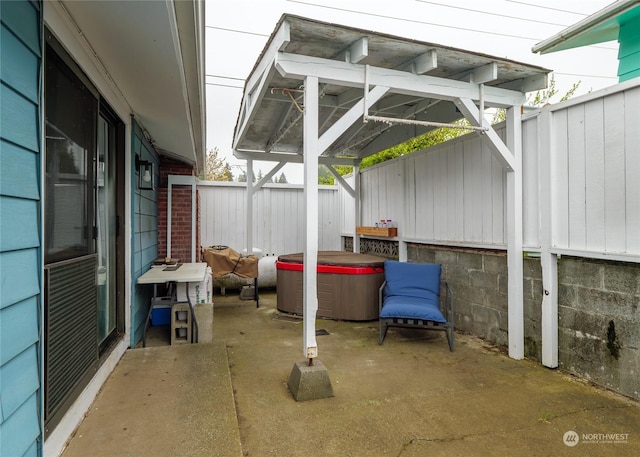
(410, 297)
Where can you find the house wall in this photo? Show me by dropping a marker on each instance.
(629, 50)
(20, 250)
(144, 243)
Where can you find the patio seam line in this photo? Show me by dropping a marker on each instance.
(228, 346)
(502, 432)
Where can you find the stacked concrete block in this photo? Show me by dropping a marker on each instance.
(181, 324)
(598, 309)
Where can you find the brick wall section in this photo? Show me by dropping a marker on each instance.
(180, 213)
(598, 301)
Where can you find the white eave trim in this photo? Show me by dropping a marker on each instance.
(555, 42)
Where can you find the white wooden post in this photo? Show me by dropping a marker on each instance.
(310, 151)
(402, 222)
(358, 215)
(548, 261)
(514, 235)
(249, 206)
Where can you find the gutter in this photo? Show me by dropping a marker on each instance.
(587, 24)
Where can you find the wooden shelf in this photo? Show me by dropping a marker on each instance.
(377, 231)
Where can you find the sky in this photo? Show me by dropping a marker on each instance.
(237, 31)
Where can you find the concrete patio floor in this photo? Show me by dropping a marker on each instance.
(409, 397)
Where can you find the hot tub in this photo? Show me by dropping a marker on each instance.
(348, 284)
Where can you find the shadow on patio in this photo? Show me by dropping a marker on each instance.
(409, 397)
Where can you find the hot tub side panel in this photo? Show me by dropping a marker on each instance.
(356, 296)
(289, 291)
(340, 296)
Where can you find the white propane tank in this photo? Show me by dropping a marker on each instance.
(267, 271)
(254, 251)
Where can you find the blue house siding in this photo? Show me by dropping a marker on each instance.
(629, 51)
(145, 233)
(20, 228)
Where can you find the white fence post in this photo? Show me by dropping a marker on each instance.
(514, 236)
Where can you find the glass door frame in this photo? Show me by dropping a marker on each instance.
(115, 155)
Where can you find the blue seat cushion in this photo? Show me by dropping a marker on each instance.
(412, 308)
(420, 280)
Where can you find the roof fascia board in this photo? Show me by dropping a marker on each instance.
(256, 86)
(196, 147)
(280, 40)
(561, 40)
(190, 20)
(495, 143)
(250, 104)
(346, 74)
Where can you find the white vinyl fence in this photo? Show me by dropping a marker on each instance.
(278, 220)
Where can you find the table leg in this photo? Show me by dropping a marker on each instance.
(194, 321)
(146, 324)
(255, 289)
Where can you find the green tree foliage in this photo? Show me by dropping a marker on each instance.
(215, 168)
(418, 143)
(543, 97)
(324, 176)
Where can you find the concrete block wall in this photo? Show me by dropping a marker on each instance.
(598, 316)
(599, 322)
(478, 279)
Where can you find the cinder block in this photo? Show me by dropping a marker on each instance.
(181, 324)
(180, 314)
(181, 335)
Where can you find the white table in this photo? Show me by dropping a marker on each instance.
(186, 273)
